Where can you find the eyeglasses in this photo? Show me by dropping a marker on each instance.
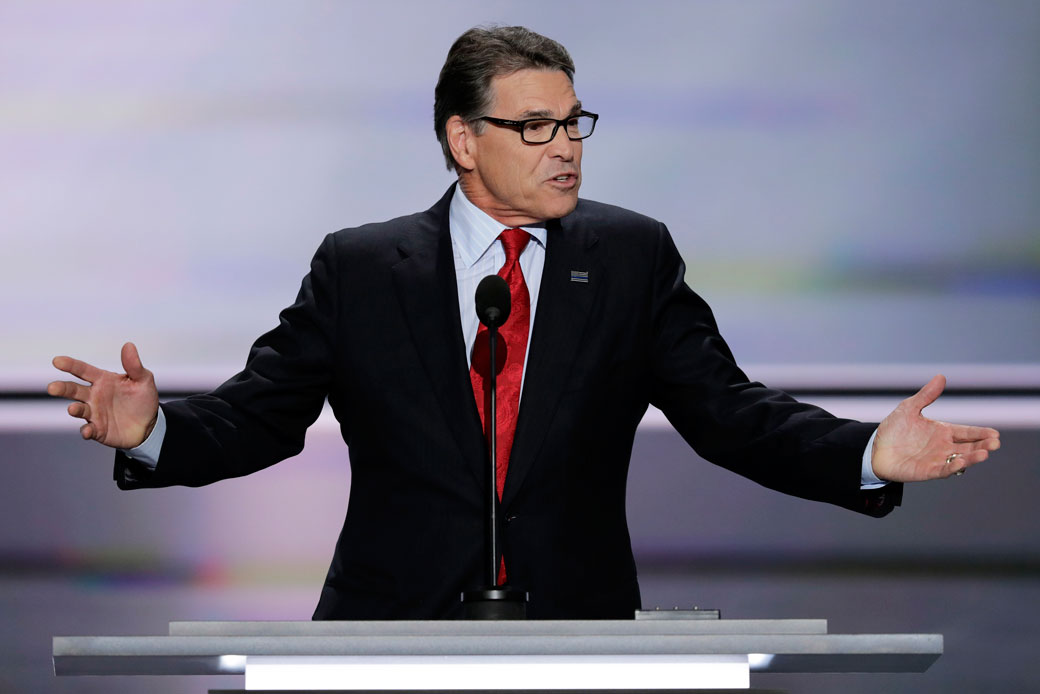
(538, 131)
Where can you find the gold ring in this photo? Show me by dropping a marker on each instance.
(951, 457)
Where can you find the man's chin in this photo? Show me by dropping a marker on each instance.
(563, 206)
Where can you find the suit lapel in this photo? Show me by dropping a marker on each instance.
(560, 323)
(427, 291)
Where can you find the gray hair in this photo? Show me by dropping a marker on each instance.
(477, 57)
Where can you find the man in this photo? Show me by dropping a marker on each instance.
(601, 325)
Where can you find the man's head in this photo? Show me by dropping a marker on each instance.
(509, 73)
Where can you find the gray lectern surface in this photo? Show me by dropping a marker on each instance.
(728, 690)
(618, 627)
(209, 648)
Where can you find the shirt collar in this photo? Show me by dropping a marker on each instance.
(474, 231)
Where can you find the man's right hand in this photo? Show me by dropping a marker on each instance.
(120, 409)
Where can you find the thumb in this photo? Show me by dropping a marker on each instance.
(928, 394)
(132, 362)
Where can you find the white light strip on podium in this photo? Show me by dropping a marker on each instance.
(498, 672)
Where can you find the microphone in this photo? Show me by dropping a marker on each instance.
(493, 301)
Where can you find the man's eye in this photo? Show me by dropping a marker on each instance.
(536, 125)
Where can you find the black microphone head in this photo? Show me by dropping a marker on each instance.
(493, 301)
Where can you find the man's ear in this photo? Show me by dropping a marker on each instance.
(461, 142)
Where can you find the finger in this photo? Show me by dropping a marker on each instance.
(79, 409)
(965, 434)
(976, 451)
(969, 458)
(984, 445)
(960, 462)
(928, 393)
(968, 443)
(132, 362)
(87, 431)
(68, 390)
(79, 369)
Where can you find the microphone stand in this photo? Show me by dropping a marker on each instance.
(493, 601)
(492, 485)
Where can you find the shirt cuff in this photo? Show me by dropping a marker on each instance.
(867, 478)
(148, 452)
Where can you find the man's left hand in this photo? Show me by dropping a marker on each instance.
(909, 447)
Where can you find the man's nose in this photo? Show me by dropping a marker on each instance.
(561, 145)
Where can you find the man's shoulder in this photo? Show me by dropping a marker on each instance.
(386, 226)
(385, 232)
(392, 234)
(606, 216)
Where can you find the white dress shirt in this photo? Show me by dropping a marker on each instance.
(478, 252)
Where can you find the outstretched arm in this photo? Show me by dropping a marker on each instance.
(909, 447)
(120, 409)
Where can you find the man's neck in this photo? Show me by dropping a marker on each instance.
(482, 200)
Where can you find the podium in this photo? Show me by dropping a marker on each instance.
(481, 656)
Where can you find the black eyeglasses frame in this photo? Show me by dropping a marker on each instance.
(520, 126)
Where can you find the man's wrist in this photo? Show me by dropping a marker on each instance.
(867, 478)
(148, 452)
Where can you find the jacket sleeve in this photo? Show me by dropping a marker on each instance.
(756, 431)
(259, 416)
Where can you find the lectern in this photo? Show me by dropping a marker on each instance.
(508, 656)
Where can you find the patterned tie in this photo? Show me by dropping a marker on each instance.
(509, 361)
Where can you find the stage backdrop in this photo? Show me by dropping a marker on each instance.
(850, 183)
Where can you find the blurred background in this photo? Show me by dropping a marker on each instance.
(853, 187)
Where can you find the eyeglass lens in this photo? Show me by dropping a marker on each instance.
(539, 131)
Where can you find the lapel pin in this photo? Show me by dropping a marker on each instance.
(580, 276)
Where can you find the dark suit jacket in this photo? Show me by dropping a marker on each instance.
(376, 329)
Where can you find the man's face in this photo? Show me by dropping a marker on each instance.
(517, 183)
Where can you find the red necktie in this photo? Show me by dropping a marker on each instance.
(509, 361)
